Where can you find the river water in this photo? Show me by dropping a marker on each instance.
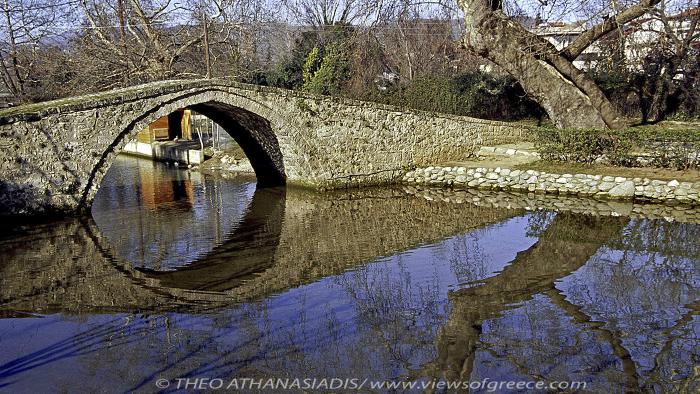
(179, 275)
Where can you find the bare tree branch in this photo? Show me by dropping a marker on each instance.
(587, 38)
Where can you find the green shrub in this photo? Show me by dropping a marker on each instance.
(579, 146)
(473, 94)
(313, 60)
(656, 147)
(326, 73)
(668, 148)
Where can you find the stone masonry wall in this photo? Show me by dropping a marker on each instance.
(598, 186)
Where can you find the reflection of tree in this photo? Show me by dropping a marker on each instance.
(396, 314)
(663, 371)
(535, 340)
(467, 258)
(666, 245)
(567, 244)
(644, 292)
(607, 336)
(538, 222)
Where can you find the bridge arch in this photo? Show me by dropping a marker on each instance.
(251, 124)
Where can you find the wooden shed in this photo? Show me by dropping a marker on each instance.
(167, 128)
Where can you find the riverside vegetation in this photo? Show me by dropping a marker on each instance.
(663, 147)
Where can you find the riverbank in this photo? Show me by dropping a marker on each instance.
(582, 185)
(519, 168)
(228, 161)
(683, 189)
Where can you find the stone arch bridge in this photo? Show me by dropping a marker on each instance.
(53, 155)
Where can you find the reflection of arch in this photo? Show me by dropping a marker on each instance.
(159, 222)
(368, 225)
(250, 249)
(250, 123)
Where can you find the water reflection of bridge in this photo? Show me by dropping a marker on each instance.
(159, 218)
(286, 239)
(297, 237)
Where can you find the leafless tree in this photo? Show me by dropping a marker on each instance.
(329, 12)
(246, 34)
(25, 28)
(139, 40)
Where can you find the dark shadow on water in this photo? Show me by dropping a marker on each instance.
(81, 344)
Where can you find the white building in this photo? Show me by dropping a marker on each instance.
(639, 37)
(643, 35)
(561, 35)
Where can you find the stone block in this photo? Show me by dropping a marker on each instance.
(623, 190)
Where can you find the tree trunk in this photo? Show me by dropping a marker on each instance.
(207, 52)
(570, 97)
(658, 105)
